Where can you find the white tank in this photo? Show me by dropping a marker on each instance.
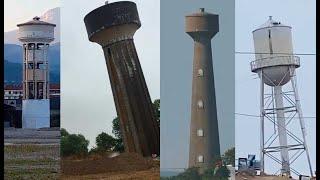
(273, 48)
(36, 30)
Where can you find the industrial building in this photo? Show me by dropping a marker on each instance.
(13, 95)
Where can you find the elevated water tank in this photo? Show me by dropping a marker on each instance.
(273, 52)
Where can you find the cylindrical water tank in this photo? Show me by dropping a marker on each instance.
(274, 53)
(35, 31)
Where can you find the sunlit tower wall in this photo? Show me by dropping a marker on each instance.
(275, 65)
(35, 36)
(204, 134)
(113, 26)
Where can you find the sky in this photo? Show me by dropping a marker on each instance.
(176, 78)
(27, 10)
(87, 104)
(301, 16)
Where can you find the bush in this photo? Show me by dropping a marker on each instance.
(74, 144)
(229, 157)
(105, 142)
(64, 132)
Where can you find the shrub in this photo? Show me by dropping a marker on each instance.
(74, 144)
(105, 142)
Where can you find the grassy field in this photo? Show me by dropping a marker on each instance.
(31, 161)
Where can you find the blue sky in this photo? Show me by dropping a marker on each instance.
(301, 15)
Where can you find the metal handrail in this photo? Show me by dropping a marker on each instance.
(275, 61)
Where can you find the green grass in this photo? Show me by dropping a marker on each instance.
(31, 162)
(27, 148)
(39, 173)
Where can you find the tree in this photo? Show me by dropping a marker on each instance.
(105, 142)
(116, 128)
(119, 146)
(156, 106)
(189, 174)
(74, 144)
(229, 157)
(64, 132)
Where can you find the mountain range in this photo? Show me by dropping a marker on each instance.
(13, 63)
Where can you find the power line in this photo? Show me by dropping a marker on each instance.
(252, 115)
(301, 54)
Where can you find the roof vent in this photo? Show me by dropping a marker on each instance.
(36, 18)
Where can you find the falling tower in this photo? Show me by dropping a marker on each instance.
(113, 26)
(35, 36)
(204, 135)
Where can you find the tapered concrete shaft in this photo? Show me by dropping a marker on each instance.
(204, 134)
(113, 26)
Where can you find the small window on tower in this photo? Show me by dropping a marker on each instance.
(31, 90)
(41, 66)
(40, 46)
(30, 65)
(200, 132)
(200, 159)
(200, 72)
(200, 104)
(40, 90)
(31, 46)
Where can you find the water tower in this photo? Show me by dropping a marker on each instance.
(204, 134)
(275, 65)
(113, 26)
(35, 36)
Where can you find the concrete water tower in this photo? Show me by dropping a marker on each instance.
(275, 65)
(35, 36)
(113, 26)
(204, 134)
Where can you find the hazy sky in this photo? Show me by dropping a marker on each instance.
(301, 15)
(27, 10)
(176, 78)
(87, 105)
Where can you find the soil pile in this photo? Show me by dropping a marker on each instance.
(125, 162)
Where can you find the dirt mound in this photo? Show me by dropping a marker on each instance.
(123, 163)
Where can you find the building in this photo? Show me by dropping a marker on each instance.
(13, 94)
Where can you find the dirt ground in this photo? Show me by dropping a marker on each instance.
(244, 176)
(31, 154)
(124, 166)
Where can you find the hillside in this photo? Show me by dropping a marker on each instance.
(13, 63)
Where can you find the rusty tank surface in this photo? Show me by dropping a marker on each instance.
(204, 134)
(113, 26)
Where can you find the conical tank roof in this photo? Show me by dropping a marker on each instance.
(271, 23)
(36, 21)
